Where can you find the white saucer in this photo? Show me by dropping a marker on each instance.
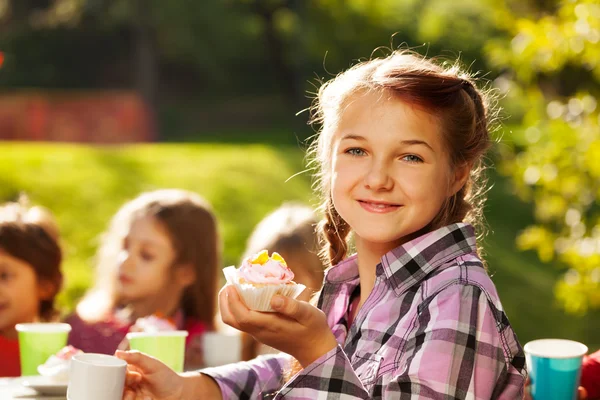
(45, 385)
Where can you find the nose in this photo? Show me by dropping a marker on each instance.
(378, 177)
(124, 260)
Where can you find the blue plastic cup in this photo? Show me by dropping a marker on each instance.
(554, 368)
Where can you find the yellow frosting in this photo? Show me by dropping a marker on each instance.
(263, 257)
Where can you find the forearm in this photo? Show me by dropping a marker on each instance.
(252, 378)
(198, 384)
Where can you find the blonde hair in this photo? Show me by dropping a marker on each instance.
(31, 235)
(446, 92)
(192, 229)
(291, 230)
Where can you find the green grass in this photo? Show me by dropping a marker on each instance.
(84, 187)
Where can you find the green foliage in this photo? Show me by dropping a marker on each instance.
(553, 65)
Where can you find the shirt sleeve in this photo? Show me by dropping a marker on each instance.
(328, 376)
(456, 350)
(253, 379)
(462, 347)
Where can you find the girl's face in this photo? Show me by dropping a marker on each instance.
(20, 293)
(145, 261)
(390, 171)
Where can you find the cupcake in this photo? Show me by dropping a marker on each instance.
(57, 366)
(260, 278)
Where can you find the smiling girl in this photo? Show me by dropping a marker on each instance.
(413, 314)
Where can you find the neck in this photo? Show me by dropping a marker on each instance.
(164, 304)
(9, 333)
(369, 255)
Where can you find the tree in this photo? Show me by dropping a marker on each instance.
(552, 84)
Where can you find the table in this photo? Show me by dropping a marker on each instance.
(11, 389)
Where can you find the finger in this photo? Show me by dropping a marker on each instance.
(300, 311)
(226, 315)
(129, 395)
(582, 393)
(245, 318)
(132, 378)
(145, 363)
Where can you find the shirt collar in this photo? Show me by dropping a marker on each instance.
(408, 264)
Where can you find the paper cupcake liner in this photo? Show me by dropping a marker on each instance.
(258, 298)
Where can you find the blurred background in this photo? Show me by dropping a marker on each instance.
(102, 99)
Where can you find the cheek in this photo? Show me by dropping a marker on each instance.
(345, 174)
(26, 290)
(156, 274)
(426, 185)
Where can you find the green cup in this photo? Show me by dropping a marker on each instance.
(167, 346)
(38, 341)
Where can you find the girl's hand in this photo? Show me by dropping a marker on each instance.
(149, 378)
(297, 328)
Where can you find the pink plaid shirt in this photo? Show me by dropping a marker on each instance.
(432, 328)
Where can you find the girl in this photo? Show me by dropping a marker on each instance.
(289, 231)
(30, 275)
(413, 314)
(160, 256)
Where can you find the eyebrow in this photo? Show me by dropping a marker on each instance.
(146, 242)
(411, 142)
(415, 142)
(351, 136)
(152, 243)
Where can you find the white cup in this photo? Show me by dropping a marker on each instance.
(96, 377)
(221, 348)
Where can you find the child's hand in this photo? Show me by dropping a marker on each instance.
(297, 328)
(149, 378)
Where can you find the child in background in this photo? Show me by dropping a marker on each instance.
(30, 275)
(290, 231)
(160, 256)
(413, 314)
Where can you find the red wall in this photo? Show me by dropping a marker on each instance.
(111, 117)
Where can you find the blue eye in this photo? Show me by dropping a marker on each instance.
(411, 158)
(355, 151)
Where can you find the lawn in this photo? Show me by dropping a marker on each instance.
(84, 187)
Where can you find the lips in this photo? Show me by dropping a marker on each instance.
(124, 279)
(378, 207)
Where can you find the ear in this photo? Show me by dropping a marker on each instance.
(185, 275)
(46, 289)
(459, 178)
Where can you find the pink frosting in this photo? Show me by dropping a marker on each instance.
(272, 272)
